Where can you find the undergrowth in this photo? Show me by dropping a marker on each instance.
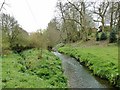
(26, 70)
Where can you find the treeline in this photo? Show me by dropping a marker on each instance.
(77, 19)
(74, 20)
(15, 38)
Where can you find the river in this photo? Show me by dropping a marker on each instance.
(78, 76)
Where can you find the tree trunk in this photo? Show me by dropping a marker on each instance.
(118, 24)
(111, 18)
(103, 24)
(84, 22)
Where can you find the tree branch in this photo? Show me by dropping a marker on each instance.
(106, 8)
(75, 7)
(96, 21)
(2, 5)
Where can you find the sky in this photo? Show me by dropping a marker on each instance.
(31, 14)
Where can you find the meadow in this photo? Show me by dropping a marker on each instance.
(101, 61)
(26, 70)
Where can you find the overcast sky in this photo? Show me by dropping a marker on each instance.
(31, 14)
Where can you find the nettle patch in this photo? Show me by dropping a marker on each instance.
(25, 70)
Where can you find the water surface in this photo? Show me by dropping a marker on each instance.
(78, 76)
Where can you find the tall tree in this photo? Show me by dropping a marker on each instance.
(101, 12)
(36, 41)
(9, 27)
(53, 34)
(82, 16)
(61, 7)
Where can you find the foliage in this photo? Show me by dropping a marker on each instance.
(112, 37)
(97, 36)
(103, 36)
(13, 36)
(101, 61)
(25, 70)
(107, 28)
(52, 33)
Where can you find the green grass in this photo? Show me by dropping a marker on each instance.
(27, 71)
(102, 61)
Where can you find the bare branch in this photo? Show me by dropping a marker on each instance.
(74, 20)
(96, 13)
(2, 5)
(75, 7)
(96, 21)
(106, 8)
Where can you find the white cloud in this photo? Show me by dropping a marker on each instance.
(31, 14)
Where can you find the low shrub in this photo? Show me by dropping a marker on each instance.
(103, 36)
(97, 36)
(112, 37)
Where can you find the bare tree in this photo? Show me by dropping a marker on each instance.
(101, 12)
(81, 8)
(113, 11)
(53, 34)
(111, 16)
(61, 7)
(9, 27)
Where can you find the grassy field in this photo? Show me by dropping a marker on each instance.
(102, 61)
(26, 70)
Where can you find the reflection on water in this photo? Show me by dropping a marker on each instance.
(78, 76)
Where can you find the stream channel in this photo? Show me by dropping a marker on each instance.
(79, 76)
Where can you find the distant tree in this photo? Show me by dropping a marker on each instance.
(62, 8)
(76, 13)
(53, 34)
(101, 11)
(37, 41)
(13, 36)
(9, 25)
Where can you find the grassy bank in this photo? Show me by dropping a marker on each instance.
(26, 70)
(102, 61)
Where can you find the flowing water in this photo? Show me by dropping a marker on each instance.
(78, 76)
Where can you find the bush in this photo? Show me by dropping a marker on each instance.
(112, 37)
(97, 37)
(103, 36)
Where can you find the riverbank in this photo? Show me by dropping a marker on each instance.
(26, 70)
(79, 76)
(101, 61)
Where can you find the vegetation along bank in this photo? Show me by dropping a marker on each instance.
(27, 70)
(102, 61)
